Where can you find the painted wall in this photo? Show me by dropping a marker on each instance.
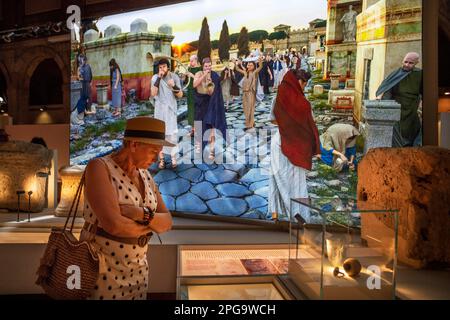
(387, 30)
(130, 51)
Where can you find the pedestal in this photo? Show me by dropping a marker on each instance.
(335, 81)
(341, 99)
(380, 117)
(318, 89)
(75, 93)
(70, 177)
(102, 96)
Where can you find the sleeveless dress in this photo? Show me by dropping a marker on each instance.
(123, 267)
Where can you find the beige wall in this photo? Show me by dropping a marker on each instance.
(57, 137)
(124, 52)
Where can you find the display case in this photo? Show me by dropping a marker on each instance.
(222, 272)
(353, 247)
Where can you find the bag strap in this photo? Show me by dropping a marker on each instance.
(75, 203)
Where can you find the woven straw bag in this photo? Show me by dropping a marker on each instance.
(64, 257)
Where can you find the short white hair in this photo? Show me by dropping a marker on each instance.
(193, 57)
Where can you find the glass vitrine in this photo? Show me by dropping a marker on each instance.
(343, 249)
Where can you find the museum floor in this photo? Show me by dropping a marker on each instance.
(22, 244)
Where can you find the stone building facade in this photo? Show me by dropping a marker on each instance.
(135, 46)
(340, 54)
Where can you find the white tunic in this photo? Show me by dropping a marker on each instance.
(287, 181)
(166, 103)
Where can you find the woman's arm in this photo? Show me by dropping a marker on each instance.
(260, 66)
(102, 197)
(238, 69)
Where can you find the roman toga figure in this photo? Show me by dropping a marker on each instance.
(404, 85)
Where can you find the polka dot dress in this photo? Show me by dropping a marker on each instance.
(126, 269)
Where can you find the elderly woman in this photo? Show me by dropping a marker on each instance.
(293, 145)
(338, 146)
(123, 207)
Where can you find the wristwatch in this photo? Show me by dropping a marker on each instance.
(148, 214)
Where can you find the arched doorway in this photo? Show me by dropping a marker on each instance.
(46, 84)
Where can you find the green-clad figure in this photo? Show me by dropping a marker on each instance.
(404, 85)
(193, 69)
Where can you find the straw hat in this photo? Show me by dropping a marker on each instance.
(146, 130)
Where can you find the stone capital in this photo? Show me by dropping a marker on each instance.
(384, 111)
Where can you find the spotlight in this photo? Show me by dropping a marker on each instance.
(447, 93)
(43, 108)
(1, 100)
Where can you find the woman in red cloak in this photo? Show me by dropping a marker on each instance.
(293, 146)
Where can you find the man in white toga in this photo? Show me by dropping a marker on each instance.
(166, 89)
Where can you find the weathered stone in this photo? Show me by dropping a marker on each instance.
(334, 84)
(228, 206)
(263, 192)
(258, 185)
(174, 187)
(102, 95)
(318, 89)
(24, 166)
(164, 176)
(192, 174)
(380, 116)
(333, 183)
(256, 202)
(220, 175)
(238, 167)
(254, 175)
(70, 178)
(190, 203)
(205, 190)
(75, 93)
(169, 202)
(312, 174)
(415, 181)
(233, 190)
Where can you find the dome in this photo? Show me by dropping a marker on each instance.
(165, 29)
(112, 31)
(139, 25)
(91, 35)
